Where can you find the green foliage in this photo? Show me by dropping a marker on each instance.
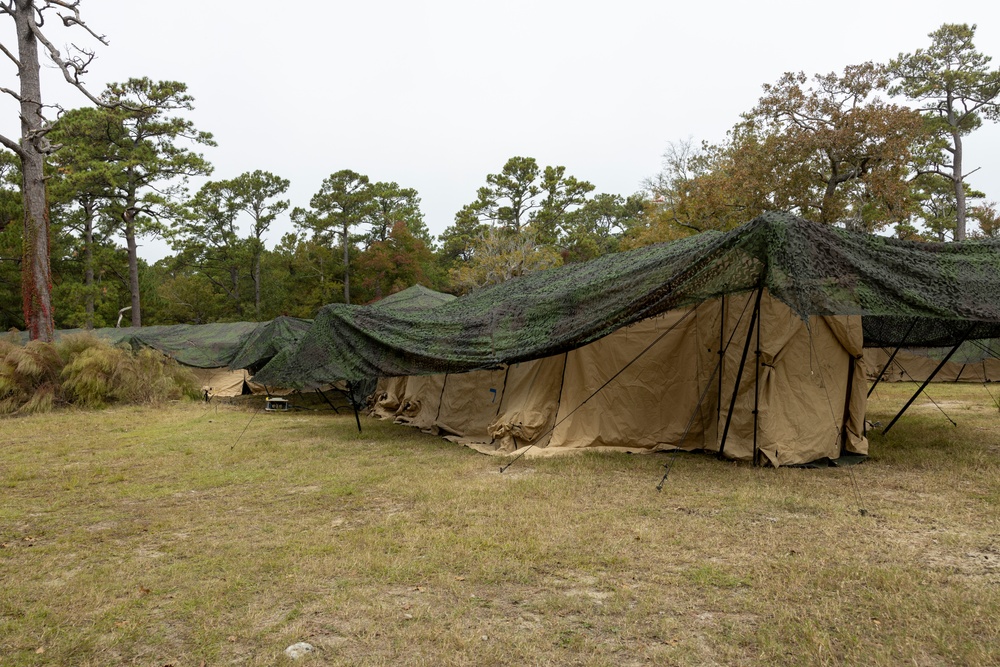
(954, 89)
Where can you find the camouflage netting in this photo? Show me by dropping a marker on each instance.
(267, 340)
(921, 293)
(204, 345)
(417, 297)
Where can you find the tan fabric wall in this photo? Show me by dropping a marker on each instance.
(220, 381)
(470, 402)
(530, 402)
(802, 390)
(649, 405)
(802, 386)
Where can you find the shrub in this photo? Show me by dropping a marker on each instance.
(86, 371)
(29, 377)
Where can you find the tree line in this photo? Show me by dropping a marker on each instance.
(876, 147)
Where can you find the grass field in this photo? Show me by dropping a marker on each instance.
(151, 536)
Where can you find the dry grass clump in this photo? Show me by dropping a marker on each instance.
(29, 377)
(86, 371)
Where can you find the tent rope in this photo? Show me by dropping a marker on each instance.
(606, 383)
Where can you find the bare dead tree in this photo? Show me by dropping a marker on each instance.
(33, 146)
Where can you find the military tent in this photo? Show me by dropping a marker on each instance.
(823, 277)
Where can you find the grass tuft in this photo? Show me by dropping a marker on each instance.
(88, 372)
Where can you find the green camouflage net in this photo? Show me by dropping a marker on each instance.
(197, 345)
(264, 342)
(929, 294)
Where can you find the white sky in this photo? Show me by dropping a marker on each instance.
(436, 94)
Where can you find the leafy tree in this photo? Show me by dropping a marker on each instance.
(954, 89)
(827, 148)
(33, 145)
(459, 240)
(209, 240)
(988, 218)
(392, 204)
(254, 194)
(598, 227)
(309, 272)
(150, 165)
(523, 194)
(842, 152)
(499, 255)
(11, 313)
(343, 202)
(398, 262)
(80, 192)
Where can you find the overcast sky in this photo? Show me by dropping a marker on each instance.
(436, 94)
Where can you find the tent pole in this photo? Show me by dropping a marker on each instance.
(847, 405)
(928, 380)
(722, 352)
(891, 357)
(756, 396)
(328, 401)
(350, 397)
(739, 372)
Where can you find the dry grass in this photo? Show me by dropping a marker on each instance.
(143, 536)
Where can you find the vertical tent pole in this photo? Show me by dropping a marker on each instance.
(891, 357)
(739, 372)
(350, 397)
(928, 380)
(756, 395)
(847, 404)
(722, 352)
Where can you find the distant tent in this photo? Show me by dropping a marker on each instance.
(218, 353)
(974, 361)
(921, 293)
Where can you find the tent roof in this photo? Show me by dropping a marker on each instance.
(925, 293)
(265, 341)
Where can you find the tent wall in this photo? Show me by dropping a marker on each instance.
(912, 365)
(220, 381)
(668, 396)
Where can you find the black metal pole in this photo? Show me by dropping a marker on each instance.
(847, 405)
(891, 357)
(350, 397)
(739, 372)
(927, 381)
(756, 397)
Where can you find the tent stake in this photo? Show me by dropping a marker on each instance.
(739, 372)
(928, 380)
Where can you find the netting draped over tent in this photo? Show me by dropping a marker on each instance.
(927, 293)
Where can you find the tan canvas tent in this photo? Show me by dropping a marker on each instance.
(917, 365)
(659, 385)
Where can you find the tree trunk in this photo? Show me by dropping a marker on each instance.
(133, 266)
(88, 263)
(347, 267)
(36, 271)
(256, 287)
(959, 187)
(234, 278)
